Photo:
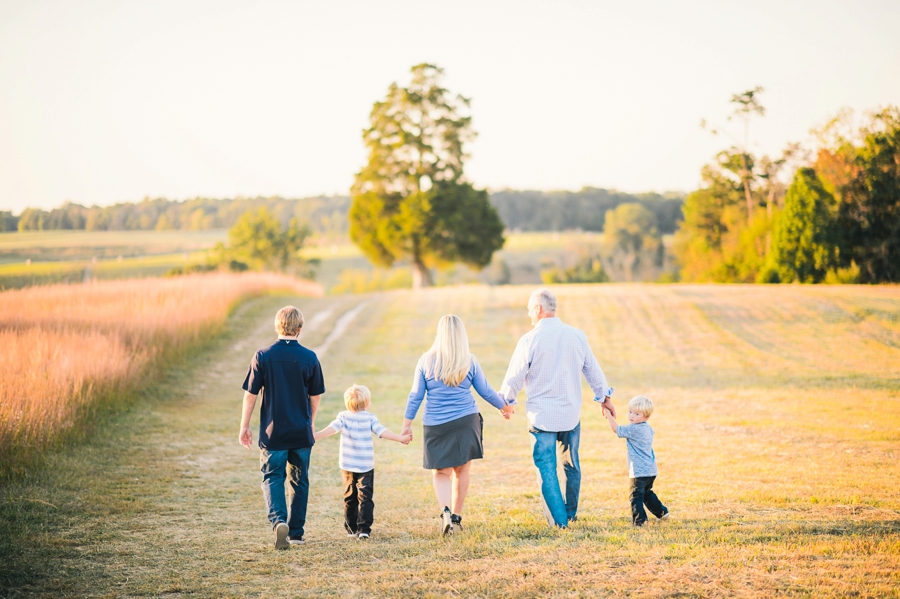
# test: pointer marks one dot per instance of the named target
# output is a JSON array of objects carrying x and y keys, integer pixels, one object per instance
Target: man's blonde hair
[
  {"x": 357, "y": 398},
  {"x": 641, "y": 404},
  {"x": 289, "y": 321},
  {"x": 449, "y": 359}
]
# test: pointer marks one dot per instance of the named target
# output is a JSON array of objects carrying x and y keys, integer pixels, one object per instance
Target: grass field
[
  {"x": 777, "y": 435},
  {"x": 72, "y": 256},
  {"x": 47, "y": 257}
]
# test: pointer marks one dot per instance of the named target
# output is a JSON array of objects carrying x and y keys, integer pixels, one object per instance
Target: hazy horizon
[{"x": 112, "y": 102}]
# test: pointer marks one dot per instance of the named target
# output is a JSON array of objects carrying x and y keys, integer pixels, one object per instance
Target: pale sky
[{"x": 103, "y": 102}]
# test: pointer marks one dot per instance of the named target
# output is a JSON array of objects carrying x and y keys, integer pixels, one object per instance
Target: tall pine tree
[{"x": 411, "y": 200}]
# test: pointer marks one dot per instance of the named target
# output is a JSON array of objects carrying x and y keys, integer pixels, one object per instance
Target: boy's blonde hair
[
  {"x": 289, "y": 321},
  {"x": 449, "y": 359},
  {"x": 641, "y": 404},
  {"x": 357, "y": 398}
]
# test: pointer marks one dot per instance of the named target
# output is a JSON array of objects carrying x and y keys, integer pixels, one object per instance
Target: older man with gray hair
[{"x": 548, "y": 362}]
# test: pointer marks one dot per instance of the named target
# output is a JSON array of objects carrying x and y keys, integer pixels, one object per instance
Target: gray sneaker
[{"x": 281, "y": 536}]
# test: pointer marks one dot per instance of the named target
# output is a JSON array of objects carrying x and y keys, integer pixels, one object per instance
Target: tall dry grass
[{"x": 67, "y": 348}]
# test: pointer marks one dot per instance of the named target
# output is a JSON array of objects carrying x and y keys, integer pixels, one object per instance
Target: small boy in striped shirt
[{"x": 357, "y": 457}]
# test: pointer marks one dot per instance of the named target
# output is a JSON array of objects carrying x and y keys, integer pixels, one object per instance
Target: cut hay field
[{"x": 777, "y": 434}]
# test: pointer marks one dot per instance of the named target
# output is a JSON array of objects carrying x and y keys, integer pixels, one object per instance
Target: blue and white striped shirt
[
  {"x": 357, "y": 448},
  {"x": 548, "y": 362}
]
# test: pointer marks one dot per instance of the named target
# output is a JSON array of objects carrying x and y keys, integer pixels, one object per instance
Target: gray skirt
[{"x": 453, "y": 443}]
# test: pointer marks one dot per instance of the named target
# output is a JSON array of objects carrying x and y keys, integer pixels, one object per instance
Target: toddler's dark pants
[
  {"x": 642, "y": 494},
  {"x": 359, "y": 509}
]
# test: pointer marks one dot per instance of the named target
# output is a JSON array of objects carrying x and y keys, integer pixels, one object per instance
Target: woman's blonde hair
[
  {"x": 449, "y": 357},
  {"x": 357, "y": 398}
]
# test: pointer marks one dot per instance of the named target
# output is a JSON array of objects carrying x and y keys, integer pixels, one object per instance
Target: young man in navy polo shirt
[{"x": 290, "y": 379}]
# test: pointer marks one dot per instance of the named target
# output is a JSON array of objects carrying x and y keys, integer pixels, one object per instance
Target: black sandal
[{"x": 456, "y": 521}]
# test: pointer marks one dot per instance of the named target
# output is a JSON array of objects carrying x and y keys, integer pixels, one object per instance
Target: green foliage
[
  {"x": 584, "y": 210},
  {"x": 410, "y": 200},
  {"x": 843, "y": 276},
  {"x": 499, "y": 273},
  {"x": 838, "y": 223},
  {"x": 632, "y": 238},
  {"x": 869, "y": 213},
  {"x": 8, "y": 222},
  {"x": 258, "y": 240},
  {"x": 587, "y": 269},
  {"x": 805, "y": 243},
  {"x": 190, "y": 269},
  {"x": 716, "y": 242}
]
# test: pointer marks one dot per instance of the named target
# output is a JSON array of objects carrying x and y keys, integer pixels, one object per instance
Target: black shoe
[
  {"x": 296, "y": 541},
  {"x": 456, "y": 521},
  {"x": 362, "y": 536},
  {"x": 446, "y": 521}
]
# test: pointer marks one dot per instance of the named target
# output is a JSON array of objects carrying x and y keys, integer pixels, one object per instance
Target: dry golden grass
[{"x": 66, "y": 347}]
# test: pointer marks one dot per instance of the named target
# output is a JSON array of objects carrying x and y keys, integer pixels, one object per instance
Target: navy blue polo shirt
[{"x": 287, "y": 374}]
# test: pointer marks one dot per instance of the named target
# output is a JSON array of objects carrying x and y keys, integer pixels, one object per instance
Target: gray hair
[{"x": 545, "y": 299}]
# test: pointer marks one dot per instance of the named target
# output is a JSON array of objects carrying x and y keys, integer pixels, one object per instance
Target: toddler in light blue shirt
[{"x": 641, "y": 459}]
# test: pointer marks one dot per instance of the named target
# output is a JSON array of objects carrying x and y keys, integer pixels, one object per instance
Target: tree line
[
  {"x": 828, "y": 214},
  {"x": 525, "y": 210},
  {"x": 322, "y": 214}
]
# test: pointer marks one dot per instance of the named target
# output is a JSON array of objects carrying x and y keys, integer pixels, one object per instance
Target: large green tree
[
  {"x": 411, "y": 200},
  {"x": 870, "y": 202},
  {"x": 805, "y": 241}
]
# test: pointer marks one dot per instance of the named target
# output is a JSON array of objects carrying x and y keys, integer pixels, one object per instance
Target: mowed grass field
[{"x": 777, "y": 435}]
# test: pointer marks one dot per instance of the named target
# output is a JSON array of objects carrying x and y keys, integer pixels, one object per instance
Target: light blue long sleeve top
[{"x": 444, "y": 403}]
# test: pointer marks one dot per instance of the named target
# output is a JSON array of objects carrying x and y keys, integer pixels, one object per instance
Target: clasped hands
[
  {"x": 507, "y": 411},
  {"x": 407, "y": 434}
]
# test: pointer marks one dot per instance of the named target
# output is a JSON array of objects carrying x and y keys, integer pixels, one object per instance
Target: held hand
[
  {"x": 406, "y": 432},
  {"x": 607, "y": 405},
  {"x": 507, "y": 411},
  {"x": 405, "y": 439},
  {"x": 245, "y": 437}
]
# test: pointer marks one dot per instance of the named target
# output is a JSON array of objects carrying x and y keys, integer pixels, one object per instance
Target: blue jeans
[
  {"x": 558, "y": 511},
  {"x": 278, "y": 465}
]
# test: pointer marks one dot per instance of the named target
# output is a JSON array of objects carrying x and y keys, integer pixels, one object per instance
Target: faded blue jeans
[
  {"x": 558, "y": 511},
  {"x": 277, "y": 466}
]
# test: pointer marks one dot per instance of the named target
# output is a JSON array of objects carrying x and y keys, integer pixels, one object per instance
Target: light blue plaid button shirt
[{"x": 548, "y": 362}]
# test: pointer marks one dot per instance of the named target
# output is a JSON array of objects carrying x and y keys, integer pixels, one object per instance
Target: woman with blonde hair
[{"x": 452, "y": 424}]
